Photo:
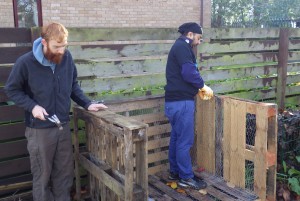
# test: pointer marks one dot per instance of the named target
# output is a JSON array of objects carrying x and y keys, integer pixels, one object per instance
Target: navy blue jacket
[
  {"x": 31, "y": 83},
  {"x": 182, "y": 75}
]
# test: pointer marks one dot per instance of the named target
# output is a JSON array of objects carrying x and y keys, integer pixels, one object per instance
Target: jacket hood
[{"x": 37, "y": 50}]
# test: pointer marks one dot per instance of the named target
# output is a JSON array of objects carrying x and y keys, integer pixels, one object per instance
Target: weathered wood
[
  {"x": 128, "y": 67},
  {"x": 227, "y": 139},
  {"x": 204, "y": 145},
  {"x": 260, "y": 177},
  {"x": 19, "y": 149},
  {"x": 15, "y": 35},
  {"x": 14, "y": 167},
  {"x": 11, "y": 113},
  {"x": 219, "y": 135},
  {"x": 154, "y": 181},
  {"x": 3, "y": 97},
  {"x": 229, "y": 59},
  {"x": 11, "y": 131},
  {"x": 283, "y": 57},
  {"x": 237, "y": 142},
  {"x": 4, "y": 73},
  {"x": 121, "y": 34},
  {"x": 238, "y": 46},
  {"x": 118, "y": 50},
  {"x": 241, "y": 33},
  {"x": 10, "y": 54},
  {"x": 272, "y": 148}
]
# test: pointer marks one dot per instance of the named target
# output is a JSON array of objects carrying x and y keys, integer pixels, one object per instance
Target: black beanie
[{"x": 190, "y": 27}]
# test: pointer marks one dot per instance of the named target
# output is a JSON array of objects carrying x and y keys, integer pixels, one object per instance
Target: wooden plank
[
  {"x": 14, "y": 167},
  {"x": 141, "y": 158},
  {"x": 137, "y": 104},
  {"x": 158, "y": 156},
  {"x": 241, "y": 33},
  {"x": 19, "y": 149},
  {"x": 15, "y": 35},
  {"x": 156, "y": 195},
  {"x": 4, "y": 73},
  {"x": 227, "y": 139},
  {"x": 122, "y": 83},
  {"x": 11, "y": 113},
  {"x": 10, "y": 54},
  {"x": 158, "y": 143},
  {"x": 208, "y": 61},
  {"x": 239, "y": 72},
  {"x": 238, "y": 46},
  {"x": 272, "y": 148},
  {"x": 100, "y": 173},
  {"x": 158, "y": 168},
  {"x": 219, "y": 102},
  {"x": 3, "y": 97},
  {"x": 205, "y": 129},
  {"x": 121, "y": 34},
  {"x": 237, "y": 143},
  {"x": 294, "y": 44},
  {"x": 260, "y": 177},
  {"x": 154, "y": 181},
  {"x": 245, "y": 85},
  {"x": 159, "y": 129},
  {"x": 219, "y": 183},
  {"x": 11, "y": 131},
  {"x": 151, "y": 118},
  {"x": 131, "y": 66},
  {"x": 282, "y": 67},
  {"x": 118, "y": 50}
]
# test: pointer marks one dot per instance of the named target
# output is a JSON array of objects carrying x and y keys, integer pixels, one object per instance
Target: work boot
[
  {"x": 192, "y": 183},
  {"x": 173, "y": 176}
]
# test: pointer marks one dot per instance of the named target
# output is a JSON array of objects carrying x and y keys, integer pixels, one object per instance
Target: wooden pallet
[{"x": 217, "y": 189}]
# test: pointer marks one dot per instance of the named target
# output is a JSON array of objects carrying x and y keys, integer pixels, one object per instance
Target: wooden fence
[{"x": 126, "y": 63}]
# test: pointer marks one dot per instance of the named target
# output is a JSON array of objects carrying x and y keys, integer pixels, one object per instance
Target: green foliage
[
  {"x": 257, "y": 12},
  {"x": 291, "y": 176}
]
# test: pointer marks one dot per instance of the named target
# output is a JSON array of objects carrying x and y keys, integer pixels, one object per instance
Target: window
[{"x": 27, "y": 13}]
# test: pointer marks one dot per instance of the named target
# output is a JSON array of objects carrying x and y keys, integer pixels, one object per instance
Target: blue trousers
[{"x": 181, "y": 118}]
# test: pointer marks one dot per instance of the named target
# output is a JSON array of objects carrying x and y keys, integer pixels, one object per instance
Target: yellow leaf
[{"x": 173, "y": 185}]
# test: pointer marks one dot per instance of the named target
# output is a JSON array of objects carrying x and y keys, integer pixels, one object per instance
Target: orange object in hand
[{"x": 205, "y": 93}]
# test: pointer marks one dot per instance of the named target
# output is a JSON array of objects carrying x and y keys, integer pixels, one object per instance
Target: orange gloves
[{"x": 205, "y": 93}]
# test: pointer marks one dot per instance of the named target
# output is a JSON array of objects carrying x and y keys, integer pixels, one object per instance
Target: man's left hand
[{"x": 96, "y": 107}]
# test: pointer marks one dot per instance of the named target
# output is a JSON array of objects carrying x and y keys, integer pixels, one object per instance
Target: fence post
[{"x": 282, "y": 67}]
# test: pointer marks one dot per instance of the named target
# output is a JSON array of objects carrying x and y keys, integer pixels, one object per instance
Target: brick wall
[
  {"x": 116, "y": 13},
  {"x": 6, "y": 13}
]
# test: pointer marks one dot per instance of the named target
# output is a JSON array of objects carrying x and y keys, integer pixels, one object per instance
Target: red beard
[{"x": 55, "y": 58}]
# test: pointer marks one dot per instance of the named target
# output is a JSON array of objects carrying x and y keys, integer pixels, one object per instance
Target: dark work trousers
[
  {"x": 181, "y": 117},
  {"x": 51, "y": 158}
]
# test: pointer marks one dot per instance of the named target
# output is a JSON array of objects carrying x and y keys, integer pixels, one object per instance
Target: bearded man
[{"x": 43, "y": 82}]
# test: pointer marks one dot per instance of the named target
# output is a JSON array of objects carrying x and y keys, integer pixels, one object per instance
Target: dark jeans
[
  {"x": 181, "y": 117},
  {"x": 51, "y": 158}
]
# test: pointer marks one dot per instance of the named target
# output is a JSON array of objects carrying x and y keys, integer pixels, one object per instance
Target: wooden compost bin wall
[
  {"x": 151, "y": 112},
  {"x": 112, "y": 142},
  {"x": 14, "y": 160},
  {"x": 222, "y": 144}
]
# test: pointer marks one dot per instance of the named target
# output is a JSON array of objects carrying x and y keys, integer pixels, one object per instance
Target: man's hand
[
  {"x": 205, "y": 93},
  {"x": 39, "y": 112},
  {"x": 96, "y": 106}
]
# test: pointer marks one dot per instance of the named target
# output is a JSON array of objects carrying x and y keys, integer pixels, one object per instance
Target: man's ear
[
  {"x": 44, "y": 42},
  {"x": 190, "y": 35}
]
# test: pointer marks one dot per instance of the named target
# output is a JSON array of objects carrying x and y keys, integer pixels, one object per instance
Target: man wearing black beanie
[{"x": 183, "y": 83}]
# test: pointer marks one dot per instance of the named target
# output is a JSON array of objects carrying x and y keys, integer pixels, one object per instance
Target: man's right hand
[
  {"x": 205, "y": 93},
  {"x": 39, "y": 112}
]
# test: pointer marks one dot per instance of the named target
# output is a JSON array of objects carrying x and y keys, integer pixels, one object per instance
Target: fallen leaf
[
  {"x": 203, "y": 191},
  {"x": 173, "y": 185},
  {"x": 230, "y": 185},
  {"x": 179, "y": 190}
]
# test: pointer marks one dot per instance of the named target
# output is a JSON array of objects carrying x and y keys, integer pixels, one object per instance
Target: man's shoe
[
  {"x": 173, "y": 176},
  {"x": 192, "y": 183}
]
